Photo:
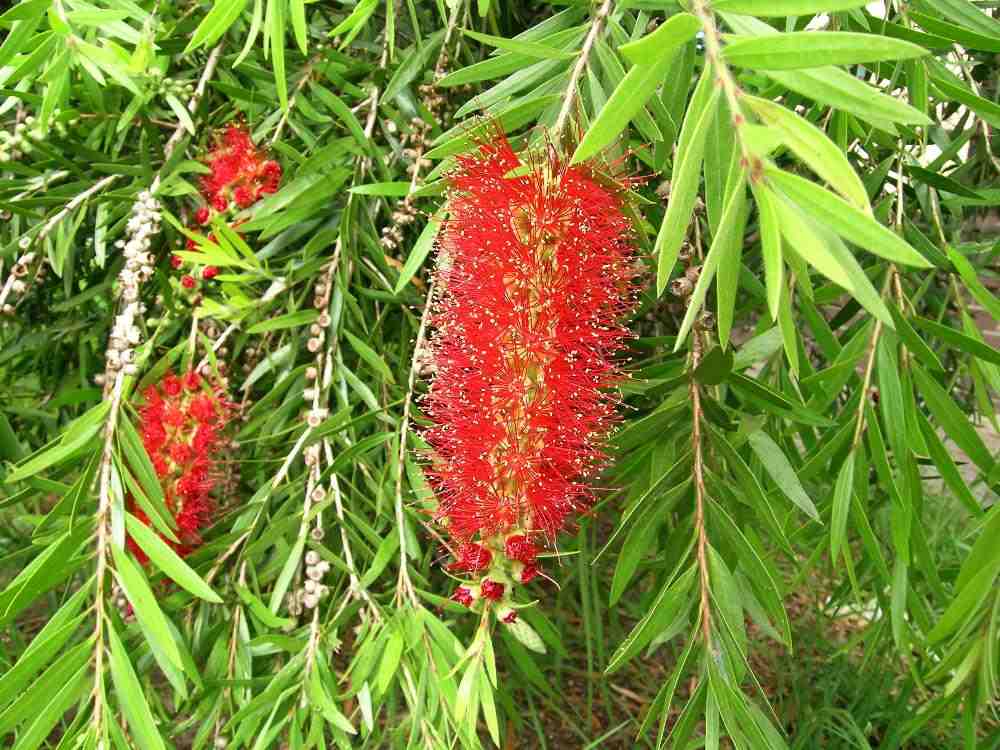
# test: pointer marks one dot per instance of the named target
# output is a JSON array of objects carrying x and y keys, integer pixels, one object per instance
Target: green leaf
[
  {"x": 765, "y": 8},
  {"x": 780, "y": 470},
  {"x": 421, "y": 249},
  {"x": 415, "y": 59},
  {"x": 951, "y": 418},
  {"x": 147, "y": 611},
  {"x": 298, "y": 13},
  {"x": 32, "y": 700},
  {"x": 684, "y": 178},
  {"x": 394, "y": 189},
  {"x": 849, "y": 222},
  {"x": 297, "y": 319},
  {"x": 64, "y": 696},
  {"x": 625, "y": 102},
  {"x": 838, "y": 89},
  {"x": 131, "y": 697},
  {"x": 971, "y": 280},
  {"x": 671, "y": 602},
  {"x": 222, "y": 15},
  {"x": 967, "y": 604},
  {"x": 68, "y": 444},
  {"x": 652, "y": 48},
  {"x": 841, "y": 506},
  {"x": 528, "y": 49},
  {"x": 729, "y": 234},
  {"x": 770, "y": 244},
  {"x": 715, "y": 367},
  {"x": 370, "y": 356},
  {"x": 814, "y": 49},
  {"x": 964, "y": 343},
  {"x": 812, "y": 146},
  {"x": 168, "y": 561}
]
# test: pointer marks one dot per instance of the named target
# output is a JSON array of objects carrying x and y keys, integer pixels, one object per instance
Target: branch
[{"x": 581, "y": 64}]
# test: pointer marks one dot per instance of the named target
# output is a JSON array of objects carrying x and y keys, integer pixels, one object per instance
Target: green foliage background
[{"x": 798, "y": 546}]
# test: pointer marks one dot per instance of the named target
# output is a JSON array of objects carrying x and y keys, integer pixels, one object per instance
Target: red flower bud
[
  {"x": 188, "y": 282},
  {"x": 471, "y": 558},
  {"x": 220, "y": 203},
  {"x": 202, "y": 215},
  {"x": 209, "y": 272},
  {"x": 176, "y": 261},
  {"x": 463, "y": 596},
  {"x": 520, "y": 548},
  {"x": 491, "y": 590},
  {"x": 529, "y": 573},
  {"x": 510, "y": 617}
]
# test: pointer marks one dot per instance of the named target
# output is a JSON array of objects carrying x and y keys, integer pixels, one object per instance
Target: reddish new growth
[
  {"x": 536, "y": 273},
  {"x": 181, "y": 425},
  {"x": 239, "y": 175}
]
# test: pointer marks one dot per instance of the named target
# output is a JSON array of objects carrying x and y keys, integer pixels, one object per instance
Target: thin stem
[
  {"x": 699, "y": 494},
  {"x": 581, "y": 64},
  {"x": 731, "y": 90},
  {"x": 405, "y": 586},
  {"x": 107, "y": 454}
]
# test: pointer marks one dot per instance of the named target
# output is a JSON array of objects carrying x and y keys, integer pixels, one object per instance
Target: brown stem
[{"x": 699, "y": 494}]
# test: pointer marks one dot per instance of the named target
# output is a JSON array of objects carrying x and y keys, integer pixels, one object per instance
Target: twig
[
  {"x": 117, "y": 393},
  {"x": 55, "y": 219},
  {"x": 699, "y": 494},
  {"x": 570, "y": 96},
  {"x": 404, "y": 584}
]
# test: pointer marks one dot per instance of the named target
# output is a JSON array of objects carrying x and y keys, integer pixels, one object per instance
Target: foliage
[{"x": 809, "y": 376}]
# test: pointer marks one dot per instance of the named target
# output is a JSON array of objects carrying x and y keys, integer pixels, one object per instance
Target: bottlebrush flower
[
  {"x": 239, "y": 172},
  {"x": 182, "y": 426},
  {"x": 536, "y": 273}
]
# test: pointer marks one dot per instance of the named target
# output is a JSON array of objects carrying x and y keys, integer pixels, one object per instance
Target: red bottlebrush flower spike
[
  {"x": 239, "y": 172},
  {"x": 181, "y": 424},
  {"x": 537, "y": 274}
]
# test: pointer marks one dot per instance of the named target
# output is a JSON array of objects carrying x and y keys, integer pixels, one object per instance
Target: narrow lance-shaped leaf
[
  {"x": 813, "y": 49},
  {"x": 684, "y": 179}
]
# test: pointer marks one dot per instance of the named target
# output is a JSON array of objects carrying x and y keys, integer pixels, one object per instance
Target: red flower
[
  {"x": 176, "y": 261},
  {"x": 491, "y": 590},
  {"x": 529, "y": 573},
  {"x": 188, "y": 282},
  {"x": 538, "y": 278},
  {"x": 238, "y": 171},
  {"x": 472, "y": 558},
  {"x": 202, "y": 215},
  {"x": 463, "y": 596},
  {"x": 181, "y": 425},
  {"x": 209, "y": 272},
  {"x": 519, "y": 547}
]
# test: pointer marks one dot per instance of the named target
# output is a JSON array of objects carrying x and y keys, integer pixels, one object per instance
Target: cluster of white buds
[
  {"x": 26, "y": 134},
  {"x": 119, "y": 600},
  {"x": 143, "y": 225},
  {"x": 312, "y": 590},
  {"x": 17, "y": 282}
]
